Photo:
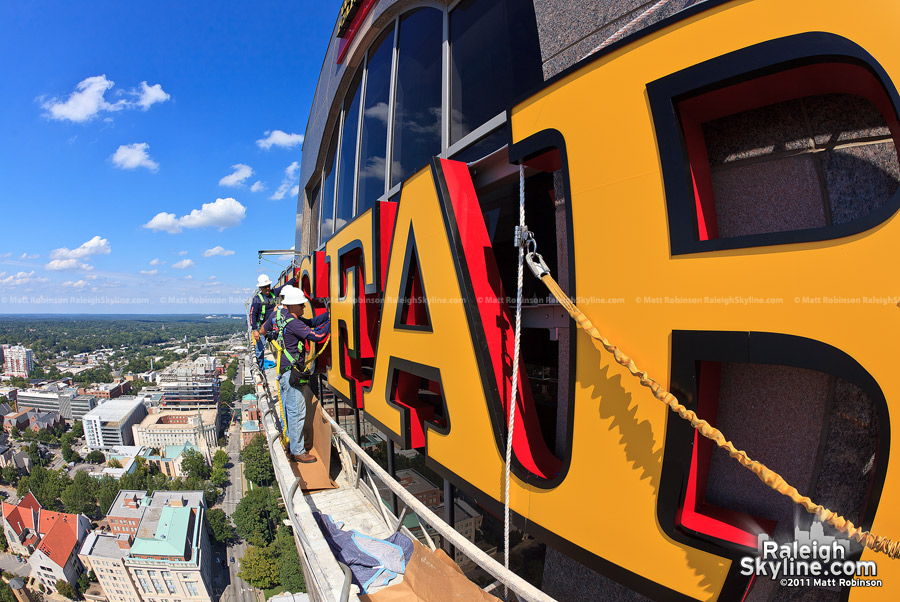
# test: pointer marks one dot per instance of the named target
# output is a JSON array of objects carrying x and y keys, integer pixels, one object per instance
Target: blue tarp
[
  {"x": 268, "y": 364},
  {"x": 372, "y": 561}
]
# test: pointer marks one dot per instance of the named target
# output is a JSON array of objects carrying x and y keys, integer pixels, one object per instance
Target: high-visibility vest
[
  {"x": 281, "y": 322},
  {"x": 265, "y": 302}
]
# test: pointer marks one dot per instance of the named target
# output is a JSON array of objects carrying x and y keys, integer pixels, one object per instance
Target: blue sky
[{"x": 148, "y": 149}]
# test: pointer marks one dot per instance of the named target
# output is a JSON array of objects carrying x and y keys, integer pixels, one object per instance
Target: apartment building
[
  {"x": 105, "y": 554},
  {"x": 18, "y": 361},
  {"x": 165, "y": 428}
]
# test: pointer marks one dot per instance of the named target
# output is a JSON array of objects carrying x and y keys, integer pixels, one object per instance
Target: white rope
[
  {"x": 626, "y": 29},
  {"x": 520, "y": 242}
]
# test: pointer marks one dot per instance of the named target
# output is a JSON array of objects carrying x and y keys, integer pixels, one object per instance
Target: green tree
[
  {"x": 245, "y": 390},
  {"x": 226, "y": 392},
  {"x": 14, "y": 433},
  {"x": 194, "y": 465},
  {"x": 114, "y": 463},
  {"x": 69, "y": 454},
  {"x": 84, "y": 582},
  {"x": 10, "y": 474},
  {"x": 6, "y": 594},
  {"x": 79, "y": 497},
  {"x": 34, "y": 452},
  {"x": 231, "y": 371},
  {"x": 221, "y": 441},
  {"x": 220, "y": 526},
  {"x": 65, "y": 589},
  {"x": 211, "y": 494},
  {"x": 219, "y": 477},
  {"x": 257, "y": 461},
  {"x": 257, "y": 516},
  {"x": 95, "y": 457},
  {"x": 77, "y": 429},
  {"x": 259, "y": 567},
  {"x": 220, "y": 459},
  {"x": 106, "y": 491},
  {"x": 3, "y": 544},
  {"x": 290, "y": 570}
]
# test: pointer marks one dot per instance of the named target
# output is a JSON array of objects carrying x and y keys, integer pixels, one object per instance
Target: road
[
  {"x": 9, "y": 563},
  {"x": 239, "y": 590}
]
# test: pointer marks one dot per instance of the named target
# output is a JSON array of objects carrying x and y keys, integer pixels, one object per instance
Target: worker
[
  {"x": 293, "y": 329},
  {"x": 261, "y": 308}
]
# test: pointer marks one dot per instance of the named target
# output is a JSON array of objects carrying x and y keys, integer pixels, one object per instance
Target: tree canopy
[
  {"x": 257, "y": 461},
  {"x": 258, "y": 515},
  {"x": 259, "y": 567},
  {"x": 194, "y": 465},
  {"x": 220, "y": 525}
]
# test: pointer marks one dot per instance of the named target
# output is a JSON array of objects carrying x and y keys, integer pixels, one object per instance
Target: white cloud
[
  {"x": 241, "y": 173},
  {"x": 290, "y": 173},
  {"x": 78, "y": 284},
  {"x": 279, "y": 138},
  {"x": 188, "y": 277},
  {"x": 150, "y": 95},
  {"x": 90, "y": 276},
  {"x": 295, "y": 191},
  {"x": 156, "y": 261},
  {"x": 150, "y": 272},
  {"x": 95, "y": 246},
  {"x": 67, "y": 264},
  {"x": 21, "y": 278},
  {"x": 221, "y": 214},
  {"x": 84, "y": 103},
  {"x": 257, "y": 186},
  {"x": 217, "y": 250},
  {"x": 132, "y": 156},
  {"x": 212, "y": 277},
  {"x": 88, "y": 100},
  {"x": 183, "y": 264},
  {"x": 182, "y": 253},
  {"x": 27, "y": 256}
]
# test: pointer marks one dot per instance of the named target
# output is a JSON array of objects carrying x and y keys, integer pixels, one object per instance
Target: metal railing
[{"x": 354, "y": 461}]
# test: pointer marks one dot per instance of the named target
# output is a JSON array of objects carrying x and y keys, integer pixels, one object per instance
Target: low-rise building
[
  {"x": 105, "y": 554},
  {"x": 51, "y": 538},
  {"x": 43, "y": 420},
  {"x": 197, "y": 427},
  {"x": 20, "y": 460},
  {"x": 168, "y": 552},
  {"x": 108, "y": 390},
  {"x": 112, "y": 423},
  {"x": 250, "y": 423},
  {"x": 18, "y": 420},
  {"x": 169, "y": 458},
  {"x": 414, "y": 482}
]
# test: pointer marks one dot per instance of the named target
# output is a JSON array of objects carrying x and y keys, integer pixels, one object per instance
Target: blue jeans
[
  {"x": 294, "y": 412},
  {"x": 260, "y": 351}
]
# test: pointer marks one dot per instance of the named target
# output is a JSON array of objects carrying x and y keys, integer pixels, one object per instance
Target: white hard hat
[
  {"x": 293, "y": 296},
  {"x": 263, "y": 280},
  {"x": 285, "y": 289}
]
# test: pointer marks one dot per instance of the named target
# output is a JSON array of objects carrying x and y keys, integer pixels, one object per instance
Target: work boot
[{"x": 304, "y": 458}]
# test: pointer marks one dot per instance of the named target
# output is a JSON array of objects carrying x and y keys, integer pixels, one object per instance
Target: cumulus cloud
[
  {"x": 221, "y": 214},
  {"x": 150, "y": 272},
  {"x": 21, "y": 278},
  {"x": 290, "y": 173},
  {"x": 58, "y": 265},
  {"x": 183, "y": 264},
  {"x": 132, "y": 156},
  {"x": 150, "y": 95},
  {"x": 156, "y": 261},
  {"x": 88, "y": 100},
  {"x": 257, "y": 186},
  {"x": 279, "y": 138},
  {"x": 77, "y": 284},
  {"x": 217, "y": 250},
  {"x": 95, "y": 246},
  {"x": 27, "y": 256},
  {"x": 241, "y": 173},
  {"x": 188, "y": 277}
]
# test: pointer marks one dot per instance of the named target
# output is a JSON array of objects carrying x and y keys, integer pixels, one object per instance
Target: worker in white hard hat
[
  {"x": 293, "y": 329},
  {"x": 261, "y": 308}
]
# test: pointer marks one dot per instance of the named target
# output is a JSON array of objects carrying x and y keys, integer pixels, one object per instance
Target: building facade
[
  {"x": 18, "y": 361},
  {"x": 112, "y": 423},
  {"x": 105, "y": 555},
  {"x": 190, "y": 387},
  {"x": 161, "y": 429},
  {"x": 736, "y": 154}
]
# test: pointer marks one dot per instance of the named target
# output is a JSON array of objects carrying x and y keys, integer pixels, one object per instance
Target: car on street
[{"x": 232, "y": 560}]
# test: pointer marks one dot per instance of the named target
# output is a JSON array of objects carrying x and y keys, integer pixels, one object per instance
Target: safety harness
[{"x": 265, "y": 303}]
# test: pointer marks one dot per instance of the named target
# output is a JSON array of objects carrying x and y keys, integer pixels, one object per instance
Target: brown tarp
[
  {"x": 315, "y": 476},
  {"x": 431, "y": 577}
]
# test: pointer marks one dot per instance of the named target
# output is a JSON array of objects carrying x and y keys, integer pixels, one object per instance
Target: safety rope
[
  {"x": 520, "y": 242},
  {"x": 765, "y": 474},
  {"x": 276, "y": 351},
  {"x": 626, "y": 29}
]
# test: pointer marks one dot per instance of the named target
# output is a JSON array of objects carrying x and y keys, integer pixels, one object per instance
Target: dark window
[
  {"x": 347, "y": 166},
  {"x": 326, "y": 219},
  {"x": 417, "y": 116},
  {"x": 373, "y": 142},
  {"x": 495, "y": 56}
]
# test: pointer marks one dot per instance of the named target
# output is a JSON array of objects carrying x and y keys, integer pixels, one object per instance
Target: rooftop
[
  {"x": 114, "y": 410},
  {"x": 128, "y": 504},
  {"x": 105, "y": 545},
  {"x": 158, "y": 420}
]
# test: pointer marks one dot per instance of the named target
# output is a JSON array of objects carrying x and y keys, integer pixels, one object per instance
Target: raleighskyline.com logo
[{"x": 813, "y": 559}]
